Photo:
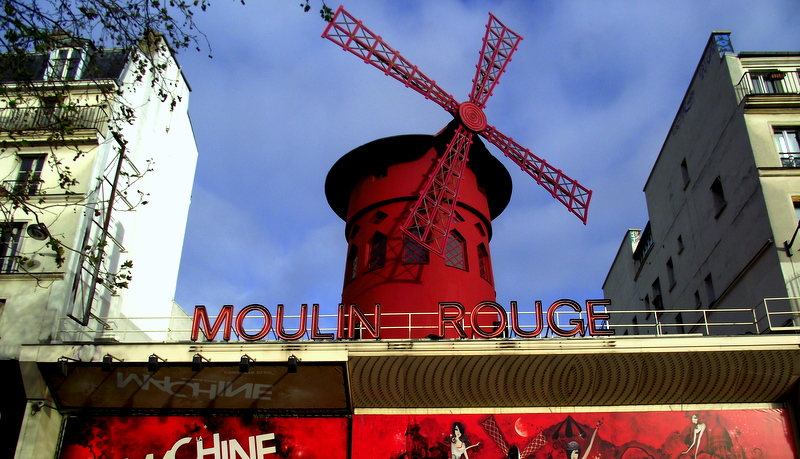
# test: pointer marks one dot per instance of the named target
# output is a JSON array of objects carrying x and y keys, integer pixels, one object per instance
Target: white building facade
[
  {"x": 722, "y": 200},
  {"x": 93, "y": 156}
]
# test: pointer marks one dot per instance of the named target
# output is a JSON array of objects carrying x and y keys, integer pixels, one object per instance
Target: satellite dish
[{"x": 38, "y": 231}]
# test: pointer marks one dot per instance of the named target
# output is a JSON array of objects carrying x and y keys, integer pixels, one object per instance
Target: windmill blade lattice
[
  {"x": 566, "y": 190},
  {"x": 349, "y": 33},
  {"x": 431, "y": 216},
  {"x": 498, "y": 45}
]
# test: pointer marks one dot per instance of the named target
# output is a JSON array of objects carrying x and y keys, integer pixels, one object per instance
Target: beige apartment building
[{"x": 723, "y": 198}]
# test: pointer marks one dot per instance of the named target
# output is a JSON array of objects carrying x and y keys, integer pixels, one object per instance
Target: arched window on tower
[
  {"x": 454, "y": 253},
  {"x": 377, "y": 251},
  {"x": 352, "y": 263},
  {"x": 413, "y": 251},
  {"x": 484, "y": 265}
]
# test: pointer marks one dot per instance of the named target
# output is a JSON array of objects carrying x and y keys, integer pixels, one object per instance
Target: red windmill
[{"x": 453, "y": 181}]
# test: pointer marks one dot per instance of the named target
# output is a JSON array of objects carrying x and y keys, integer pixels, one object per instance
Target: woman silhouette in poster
[
  {"x": 459, "y": 443},
  {"x": 697, "y": 435}
]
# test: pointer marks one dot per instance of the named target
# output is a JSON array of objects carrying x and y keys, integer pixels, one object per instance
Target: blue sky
[{"x": 593, "y": 89}]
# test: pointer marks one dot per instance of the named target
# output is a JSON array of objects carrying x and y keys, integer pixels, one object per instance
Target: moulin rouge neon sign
[{"x": 351, "y": 318}]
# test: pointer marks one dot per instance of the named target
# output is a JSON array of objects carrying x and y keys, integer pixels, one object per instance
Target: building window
[
  {"x": 767, "y": 82},
  {"x": 454, "y": 253},
  {"x": 680, "y": 243},
  {"x": 480, "y": 229},
  {"x": 29, "y": 176},
  {"x": 670, "y": 273},
  {"x": 685, "y": 173},
  {"x": 66, "y": 64},
  {"x": 719, "y": 197},
  {"x": 484, "y": 264},
  {"x": 377, "y": 252},
  {"x": 658, "y": 301},
  {"x": 788, "y": 143},
  {"x": 697, "y": 302},
  {"x": 352, "y": 263},
  {"x": 379, "y": 217},
  {"x": 10, "y": 234},
  {"x": 413, "y": 251},
  {"x": 796, "y": 204},
  {"x": 644, "y": 244}
]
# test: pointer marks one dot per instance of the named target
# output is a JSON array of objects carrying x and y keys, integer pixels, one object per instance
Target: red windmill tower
[{"x": 407, "y": 197}]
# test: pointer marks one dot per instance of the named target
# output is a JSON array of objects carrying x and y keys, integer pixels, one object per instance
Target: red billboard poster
[
  {"x": 204, "y": 437},
  {"x": 722, "y": 434}
]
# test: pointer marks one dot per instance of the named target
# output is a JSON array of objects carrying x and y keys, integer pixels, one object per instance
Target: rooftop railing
[{"x": 773, "y": 315}]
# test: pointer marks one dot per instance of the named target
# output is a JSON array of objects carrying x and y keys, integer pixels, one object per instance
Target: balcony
[
  {"x": 790, "y": 159},
  {"x": 29, "y": 187},
  {"x": 764, "y": 85},
  {"x": 9, "y": 264},
  {"x": 47, "y": 118}
]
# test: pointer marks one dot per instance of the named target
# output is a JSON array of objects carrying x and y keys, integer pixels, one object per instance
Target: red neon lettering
[
  {"x": 201, "y": 318},
  {"x": 315, "y": 333},
  {"x": 455, "y": 321},
  {"x": 593, "y": 316},
  {"x": 340, "y": 321},
  {"x": 515, "y": 321},
  {"x": 355, "y": 314},
  {"x": 553, "y": 322},
  {"x": 500, "y": 327},
  {"x": 265, "y": 328},
  {"x": 351, "y": 319},
  {"x": 301, "y": 329}
]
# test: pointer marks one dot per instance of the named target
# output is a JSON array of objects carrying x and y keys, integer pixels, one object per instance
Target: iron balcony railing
[
  {"x": 790, "y": 159},
  {"x": 28, "y": 187},
  {"x": 9, "y": 264},
  {"x": 768, "y": 83},
  {"x": 45, "y": 118}
]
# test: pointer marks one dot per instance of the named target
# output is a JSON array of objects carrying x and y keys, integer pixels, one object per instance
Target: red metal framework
[
  {"x": 498, "y": 45},
  {"x": 431, "y": 216}
]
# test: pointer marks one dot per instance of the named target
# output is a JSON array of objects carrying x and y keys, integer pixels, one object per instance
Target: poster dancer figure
[
  {"x": 573, "y": 449},
  {"x": 459, "y": 443},
  {"x": 697, "y": 435}
]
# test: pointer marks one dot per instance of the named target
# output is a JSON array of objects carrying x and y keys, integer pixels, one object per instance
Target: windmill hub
[{"x": 472, "y": 116}]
